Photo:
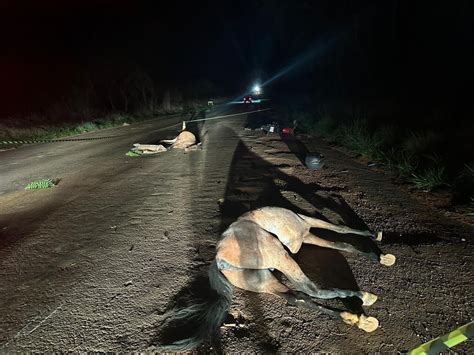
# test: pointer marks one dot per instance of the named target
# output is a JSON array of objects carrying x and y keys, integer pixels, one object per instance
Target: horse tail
[{"x": 208, "y": 315}]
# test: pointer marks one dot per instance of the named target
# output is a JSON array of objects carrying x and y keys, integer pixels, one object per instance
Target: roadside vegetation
[
  {"x": 419, "y": 156},
  {"x": 104, "y": 101},
  {"x": 37, "y": 128}
]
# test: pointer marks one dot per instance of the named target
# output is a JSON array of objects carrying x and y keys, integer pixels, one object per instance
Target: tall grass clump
[
  {"x": 357, "y": 137},
  {"x": 430, "y": 178},
  {"x": 424, "y": 157},
  {"x": 400, "y": 161}
]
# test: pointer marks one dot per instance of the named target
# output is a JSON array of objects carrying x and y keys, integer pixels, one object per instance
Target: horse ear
[{"x": 184, "y": 126}]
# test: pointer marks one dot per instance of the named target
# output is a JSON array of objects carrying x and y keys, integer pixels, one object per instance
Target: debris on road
[
  {"x": 314, "y": 161},
  {"x": 193, "y": 147},
  {"x": 41, "y": 184},
  {"x": 148, "y": 148},
  {"x": 271, "y": 128},
  {"x": 133, "y": 153}
]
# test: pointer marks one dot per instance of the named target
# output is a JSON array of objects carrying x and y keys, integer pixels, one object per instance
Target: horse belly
[{"x": 246, "y": 245}]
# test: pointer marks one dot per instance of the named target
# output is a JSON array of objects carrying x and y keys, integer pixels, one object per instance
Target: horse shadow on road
[{"x": 254, "y": 182}]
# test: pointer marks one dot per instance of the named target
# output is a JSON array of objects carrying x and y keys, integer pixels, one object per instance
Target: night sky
[{"x": 406, "y": 49}]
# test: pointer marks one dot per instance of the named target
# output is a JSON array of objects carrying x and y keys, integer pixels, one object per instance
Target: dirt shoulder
[
  {"x": 119, "y": 243},
  {"x": 426, "y": 294}
]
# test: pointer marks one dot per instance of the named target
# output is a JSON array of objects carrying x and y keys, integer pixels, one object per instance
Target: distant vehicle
[
  {"x": 248, "y": 99},
  {"x": 257, "y": 90}
]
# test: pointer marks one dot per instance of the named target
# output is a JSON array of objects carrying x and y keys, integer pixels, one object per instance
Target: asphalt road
[
  {"x": 95, "y": 263},
  {"x": 86, "y": 264}
]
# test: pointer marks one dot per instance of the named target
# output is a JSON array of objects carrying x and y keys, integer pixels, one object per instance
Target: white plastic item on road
[{"x": 150, "y": 148}]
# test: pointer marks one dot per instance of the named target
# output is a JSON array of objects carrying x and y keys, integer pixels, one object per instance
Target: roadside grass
[
  {"x": 400, "y": 161},
  {"x": 412, "y": 155},
  {"x": 40, "y": 128},
  {"x": 360, "y": 140},
  {"x": 37, "y": 127},
  {"x": 430, "y": 179}
]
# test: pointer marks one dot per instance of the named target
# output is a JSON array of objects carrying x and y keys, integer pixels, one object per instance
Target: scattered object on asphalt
[
  {"x": 149, "y": 148},
  {"x": 271, "y": 128},
  {"x": 40, "y": 184},
  {"x": 286, "y": 130},
  {"x": 133, "y": 153},
  {"x": 193, "y": 147},
  {"x": 314, "y": 161}
]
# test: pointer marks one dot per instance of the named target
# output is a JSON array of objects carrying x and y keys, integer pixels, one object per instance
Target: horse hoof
[
  {"x": 349, "y": 318},
  {"x": 387, "y": 259},
  {"x": 367, "y": 324},
  {"x": 378, "y": 236},
  {"x": 368, "y": 299}
]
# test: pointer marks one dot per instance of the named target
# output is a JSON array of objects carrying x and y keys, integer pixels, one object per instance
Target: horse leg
[
  {"x": 318, "y": 223},
  {"x": 248, "y": 246},
  {"x": 293, "y": 272},
  {"x": 384, "y": 259},
  {"x": 168, "y": 141},
  {"x": 263, "y": 281}
]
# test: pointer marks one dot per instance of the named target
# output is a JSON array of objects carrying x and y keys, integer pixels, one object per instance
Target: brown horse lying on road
[
  {"x": 251, "y": 248},
  {"x": 185, "y": 140}
]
